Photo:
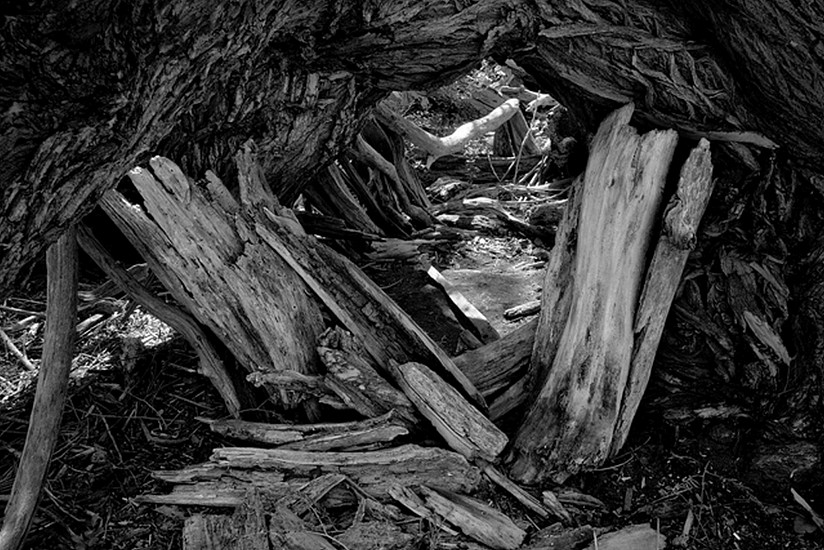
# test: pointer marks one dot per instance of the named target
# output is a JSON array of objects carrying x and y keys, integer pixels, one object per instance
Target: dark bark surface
[{"x": 89, "y": 90}]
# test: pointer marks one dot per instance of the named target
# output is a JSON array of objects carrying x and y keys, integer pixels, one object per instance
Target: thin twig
[{"x": 16, "y": 352}]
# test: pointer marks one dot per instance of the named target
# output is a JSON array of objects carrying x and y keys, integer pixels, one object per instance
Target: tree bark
[{"x": 570, "y": 425}]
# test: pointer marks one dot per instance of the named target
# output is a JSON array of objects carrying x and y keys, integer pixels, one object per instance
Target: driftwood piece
[
  {"x": 495, "y": 366},
  {"x": 437, "y": 147},
  {"x": 476, "y": 319},
  {"x": 523, "y": 310},
  {"x": 202, "y": 245},
  {"x": 50, "y": 396},
  {"x": 340, "y": 436},
  {"x": 571, "y": 422},
  {"x": 211, "y": 365},
  {"x": 464, "y": 429},
  {"x": 356, "y": 382},
  {"x": 678, "y": 237},
  {"x": 475, "y": 519}
]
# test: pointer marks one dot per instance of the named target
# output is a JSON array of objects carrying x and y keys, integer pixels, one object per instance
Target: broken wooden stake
[{"x": 571, "y": 422}]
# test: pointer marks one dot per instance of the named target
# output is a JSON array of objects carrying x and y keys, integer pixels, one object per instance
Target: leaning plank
[
  {"x": 211, "y": 365},
  {"x": 571, "y": 422},
  {"x": 494, "y": 367},
  {"x": 475, "y": 519},
  {"x": 678, "y": 236},
  {"x": 374, "y": 471},
  {"x": 477, "y": 319},
  {"x": 464, "y": 429},
  {"x": 52, "y": 383},
  {"x": 316, "y": 437}
]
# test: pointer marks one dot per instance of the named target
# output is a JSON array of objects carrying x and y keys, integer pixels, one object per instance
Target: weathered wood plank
[
  {"x": 475, "y": 519},
  {"x": 677, "y": 238},
  {"x": 571, "y": 423}
]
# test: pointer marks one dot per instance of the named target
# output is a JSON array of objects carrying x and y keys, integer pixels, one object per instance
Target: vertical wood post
[{"x": 52, "y": 381}]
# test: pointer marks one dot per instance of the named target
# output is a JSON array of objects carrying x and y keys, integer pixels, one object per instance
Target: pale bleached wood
[
  {"x": 523, "y": 310},
  {"x": 475, "y": 519},
  {"x": 477, "y": 319},
  {"x": 571, "y": 423},
  {"x": 461, "y": 425},
  {"x": 50, "y": 396},
  {"x": 453, "y": 143},
  {"x": 677, "y": 238}
]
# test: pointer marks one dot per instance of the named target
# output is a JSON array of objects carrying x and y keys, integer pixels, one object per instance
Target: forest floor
[{"x": 135, "y": 394}]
